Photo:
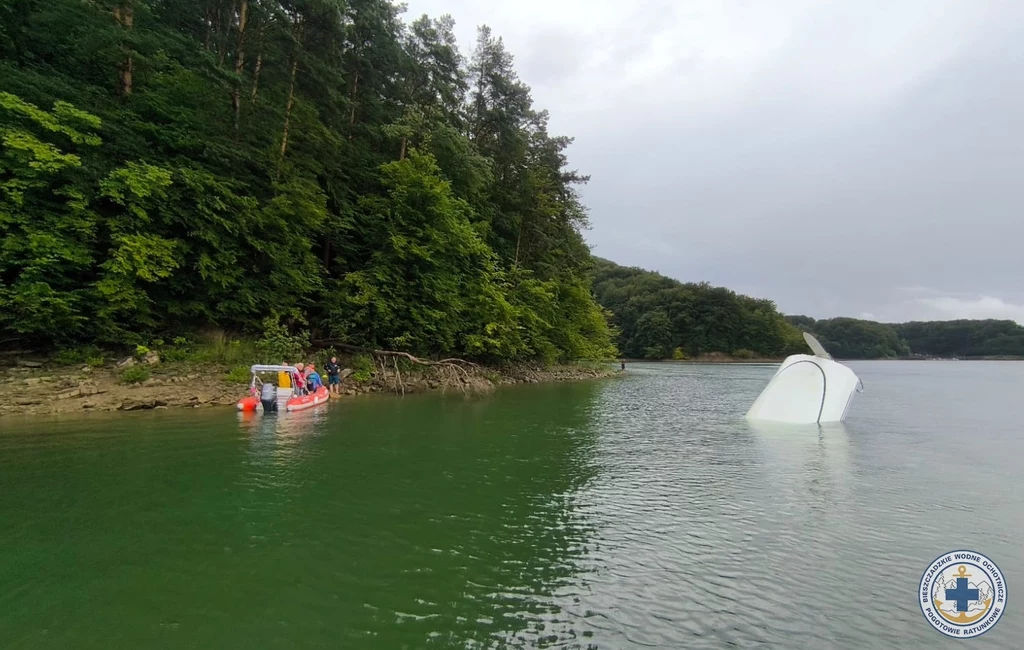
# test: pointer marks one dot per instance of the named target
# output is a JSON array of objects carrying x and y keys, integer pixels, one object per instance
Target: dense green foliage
[
  {"x": 171, "y": 165},
  {"x": 657, "y": 315},
  {"x": 964, "y": 338},
  {"x": 851, "y": 338}
]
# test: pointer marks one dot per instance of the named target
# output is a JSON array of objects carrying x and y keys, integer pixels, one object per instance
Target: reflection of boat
[
  {"x": 811, "y": 463},
  {"x": 268, "y": 396},
  {"x": 807, "y": 389}
]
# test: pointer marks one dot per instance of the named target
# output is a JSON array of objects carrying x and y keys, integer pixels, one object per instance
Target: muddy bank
[{"x": 43, "y": 389}]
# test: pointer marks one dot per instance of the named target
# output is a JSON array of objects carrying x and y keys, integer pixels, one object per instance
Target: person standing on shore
[{"x": 333, "y": 375}]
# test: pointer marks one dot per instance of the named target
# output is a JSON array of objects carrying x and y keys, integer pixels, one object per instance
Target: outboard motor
[{"x": 268, "y": 397}]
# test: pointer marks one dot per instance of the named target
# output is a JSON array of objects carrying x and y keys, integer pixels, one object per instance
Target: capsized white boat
[{"x": 807, "y": 389}]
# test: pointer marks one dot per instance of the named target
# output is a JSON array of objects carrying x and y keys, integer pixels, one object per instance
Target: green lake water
[{"x": 635, "y": 512}]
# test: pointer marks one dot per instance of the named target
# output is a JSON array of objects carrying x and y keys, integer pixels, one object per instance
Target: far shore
[
  {"x": 705, "y": 361},
  {"x": 713, "y": 360}
]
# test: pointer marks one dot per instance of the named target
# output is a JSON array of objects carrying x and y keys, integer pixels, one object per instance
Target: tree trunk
[
  {"x": 352, "y": 102},
  {"x": 256, "y": 74},
  {"x": 243, "y": 22},
  {"x": 222, "y": 37},
  {"x": 297, "y": 44},
  {"x": 209, "y": 29},
  {"x": 479, "y": 105},
  {"x": 519, "y": 239},
  {"x": 288, "y": 107},
  {"x": 236, "y": 106},
  {"x": 401, "y": 154},
  {"x": 236, "y": 99},
  {"x": 125, "y": 17}
]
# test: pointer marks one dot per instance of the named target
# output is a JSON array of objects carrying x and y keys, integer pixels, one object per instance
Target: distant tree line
[
  {"x": 661, "y": 318},
  {"x": 170, "y": 165},
  {"x": 852, "y": 338}
]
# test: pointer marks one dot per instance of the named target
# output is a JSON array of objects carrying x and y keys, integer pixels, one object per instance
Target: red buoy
[{"x": 248, "y": 404}]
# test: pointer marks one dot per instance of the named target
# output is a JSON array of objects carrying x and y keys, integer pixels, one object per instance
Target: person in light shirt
[{"x": 299, "y": 380}]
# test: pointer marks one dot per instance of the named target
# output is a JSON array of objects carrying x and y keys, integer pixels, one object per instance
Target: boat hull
[
  {"x": 806, "y": 390},
  {"x": 300, "y": 402}
]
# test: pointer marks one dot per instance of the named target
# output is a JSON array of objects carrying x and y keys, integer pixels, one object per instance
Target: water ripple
[{"x": 637, "y": 513}]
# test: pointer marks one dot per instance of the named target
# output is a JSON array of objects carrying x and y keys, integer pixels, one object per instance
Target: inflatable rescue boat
[{"x": 268, "y": 397}]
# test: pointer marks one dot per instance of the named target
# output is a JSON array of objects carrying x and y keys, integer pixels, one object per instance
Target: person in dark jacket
[{"x": 333, "y": 375}]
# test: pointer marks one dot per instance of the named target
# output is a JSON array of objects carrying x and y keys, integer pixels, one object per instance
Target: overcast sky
[{"x": 843, "y": 158}]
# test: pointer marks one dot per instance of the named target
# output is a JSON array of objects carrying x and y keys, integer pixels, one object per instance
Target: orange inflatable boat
[{"x": 266, "y": 399}]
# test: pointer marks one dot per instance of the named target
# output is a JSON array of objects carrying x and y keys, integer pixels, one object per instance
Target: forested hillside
[
  {"x": 852, "y": 338},
  {"x": 660, "y": 318},
  {"x": 168, "y": 165}
]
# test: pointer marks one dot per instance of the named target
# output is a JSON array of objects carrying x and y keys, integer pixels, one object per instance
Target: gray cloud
[{"x": 822, "y": 154}]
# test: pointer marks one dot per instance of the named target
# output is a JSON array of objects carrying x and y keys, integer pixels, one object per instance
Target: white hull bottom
[{"x": 805, "y": 390}]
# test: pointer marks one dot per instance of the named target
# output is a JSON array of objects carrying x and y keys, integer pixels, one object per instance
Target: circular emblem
[{"x": 962, "y": 594}]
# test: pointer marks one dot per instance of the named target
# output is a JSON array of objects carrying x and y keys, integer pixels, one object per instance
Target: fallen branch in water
[
  {"x": 452, "y": 370},
  {"x": 395, "y": 353},
  {"x": 398, "y": 375}
]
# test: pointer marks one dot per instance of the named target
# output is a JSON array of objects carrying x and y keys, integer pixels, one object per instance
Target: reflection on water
[
  {"x": 815, "y": 456},
  {"x": 637, "y": 512}
]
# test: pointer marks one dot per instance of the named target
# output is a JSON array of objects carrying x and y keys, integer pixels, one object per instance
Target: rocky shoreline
[{"x": 32, "y": 388}]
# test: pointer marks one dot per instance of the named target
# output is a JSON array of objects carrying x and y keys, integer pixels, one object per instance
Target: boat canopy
[{"x": 289, "y": 369}]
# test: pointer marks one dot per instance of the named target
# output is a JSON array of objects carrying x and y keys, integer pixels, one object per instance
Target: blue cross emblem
[{"x": 961, "y": 594}]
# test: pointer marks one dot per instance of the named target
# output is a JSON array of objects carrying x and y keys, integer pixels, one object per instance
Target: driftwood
[
  {"x": 452, "y": 370},
  {"x": 395, "y": 353}
]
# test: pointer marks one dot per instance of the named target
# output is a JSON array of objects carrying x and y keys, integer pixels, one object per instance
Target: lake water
[{"x": 635, "y": 512}]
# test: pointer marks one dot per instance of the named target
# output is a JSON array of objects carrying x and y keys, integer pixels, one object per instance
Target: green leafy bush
[
  {"x": 224, "y": 351},
  {"x": 678, "y": 354},
  {"x": 327, "y": 353},
  {"x": 175, "y": 354},
  {"x": 362, "y": 367},
  {"x": 95, "y": 362},
  {"x": 74, "y": 356},
  {"x": 277, "y": 344},
  {"x": 135, "y": 374},
  {"x": 492, "y": 377},
  {"x": 141, "y": 351},
  {"x": 67, "y": 357},
  {"x": 240, "y": 375}
]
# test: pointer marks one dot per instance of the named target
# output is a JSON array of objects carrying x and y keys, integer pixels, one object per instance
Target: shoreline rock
[{"x": 67, "y": 390}]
